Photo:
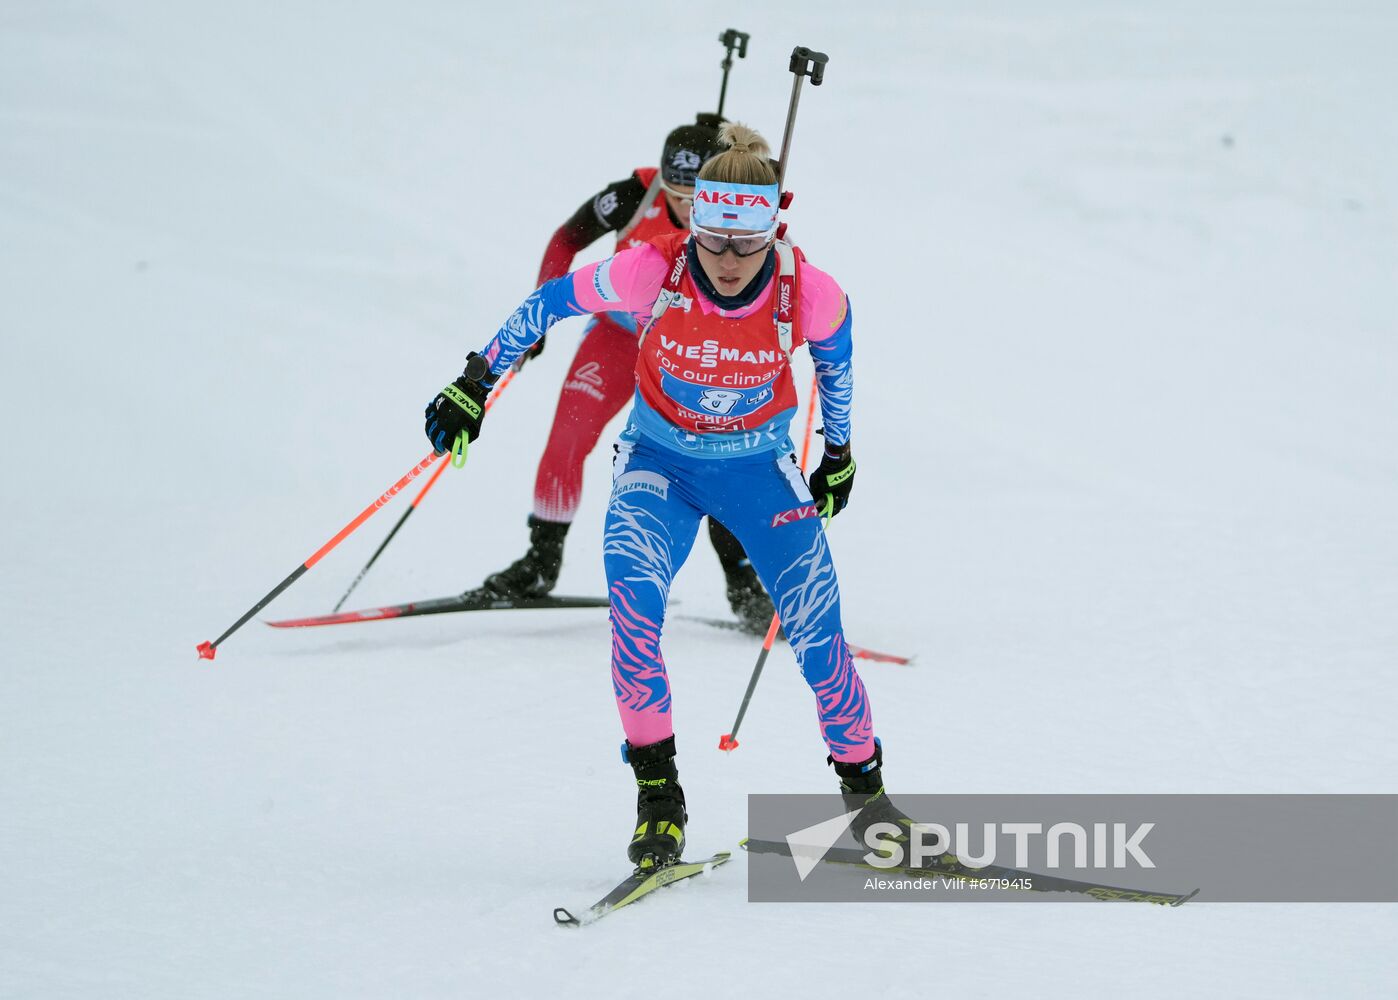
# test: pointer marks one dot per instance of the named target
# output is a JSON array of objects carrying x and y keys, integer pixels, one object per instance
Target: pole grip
[
  {"x": 807, "y": 62},
  {"x": 477, "y": 368},
  {"x": 734, "y": 39},
  {"x": 731, "y": 39}
]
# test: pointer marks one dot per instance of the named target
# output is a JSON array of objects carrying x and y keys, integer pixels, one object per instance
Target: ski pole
[
  {"x": 731, "y": 39},
  {"x": 208, "y": 649},
  {"x": 490, "y": 401},
  {"x": 729, "y": 740},
  {"x": 810, "y": 421},
  {"x": 475, "y": 369},
  {"x": 804, "y": 63}
]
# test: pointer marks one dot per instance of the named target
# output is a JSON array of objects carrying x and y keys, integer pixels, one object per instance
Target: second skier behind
[{"x": 651, "y": 202}]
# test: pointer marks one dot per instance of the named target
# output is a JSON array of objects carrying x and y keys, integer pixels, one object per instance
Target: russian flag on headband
[{"x": 722, "y": 205}]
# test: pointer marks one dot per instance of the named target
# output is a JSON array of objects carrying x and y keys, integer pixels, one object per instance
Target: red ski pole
[
  {"x": 729, "y": 741},
  {"x": 810, "y": 422},
  {"x": 208, "y": 649},
  {"x": 431, "y": 482}
]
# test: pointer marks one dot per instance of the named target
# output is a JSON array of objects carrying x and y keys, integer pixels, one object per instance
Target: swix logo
[
  {"x": 784, "y": 293},
  {"x": 795, "y": 514},
  {"x": 738, "y": 198},
  {"x": 676, "y": 272}
]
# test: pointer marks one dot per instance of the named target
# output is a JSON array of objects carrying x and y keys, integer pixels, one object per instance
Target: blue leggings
[{"x": 659, "y": 496}]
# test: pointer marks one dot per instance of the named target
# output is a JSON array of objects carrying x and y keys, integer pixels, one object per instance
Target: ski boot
[
  {"x": 660, "y": 815},
  {"x": 749, "y": 601},
  {"x": 536, "y": 574},
  {"x": 861, "y": 786}
]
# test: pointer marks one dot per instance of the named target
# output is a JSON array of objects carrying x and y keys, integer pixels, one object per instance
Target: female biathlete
[
  {"x": 650, "y": 203},
  {"x": 721, "y": 308}
]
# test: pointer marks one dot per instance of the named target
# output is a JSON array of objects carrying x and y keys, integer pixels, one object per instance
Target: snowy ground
[{"x": 1123, "y": 277}]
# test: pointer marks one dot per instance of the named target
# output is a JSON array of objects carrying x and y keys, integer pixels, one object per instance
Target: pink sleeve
[
  {"x": 823, "y": 305},
  {"x": 627, "y": 282}
]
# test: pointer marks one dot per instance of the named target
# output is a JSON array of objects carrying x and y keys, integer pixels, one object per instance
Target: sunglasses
[
  {"x": 680, "y": 196},
  {"x": 742, "y": 246}
]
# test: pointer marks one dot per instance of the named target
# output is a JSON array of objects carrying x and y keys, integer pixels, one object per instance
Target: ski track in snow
[{"x": 1124, "y": 414}]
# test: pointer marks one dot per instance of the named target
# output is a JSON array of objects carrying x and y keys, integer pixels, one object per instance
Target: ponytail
[{"x": 745, "y": 161}]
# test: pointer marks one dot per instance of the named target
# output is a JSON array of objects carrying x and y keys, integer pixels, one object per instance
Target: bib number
[{"x": 719, "y": 400}]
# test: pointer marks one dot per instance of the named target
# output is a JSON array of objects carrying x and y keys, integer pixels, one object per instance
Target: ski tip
[
  {"x": 727, "y": 743},
  {"x": 565, "y": 919},
  {"x": 206, "y": 650},
  {"x": 1185, "y": 898}
]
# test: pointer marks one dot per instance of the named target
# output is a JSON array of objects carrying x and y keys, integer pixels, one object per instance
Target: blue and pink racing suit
[{"x": 708, "y": 434}]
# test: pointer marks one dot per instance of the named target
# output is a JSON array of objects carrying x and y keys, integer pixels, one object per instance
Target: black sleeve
[{"x": 608, "y": 212}]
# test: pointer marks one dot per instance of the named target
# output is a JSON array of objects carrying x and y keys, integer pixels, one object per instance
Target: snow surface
[{"x": 1124, "y": 284}]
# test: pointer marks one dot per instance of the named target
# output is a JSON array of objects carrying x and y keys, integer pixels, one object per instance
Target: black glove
[
  {"x": 833, "y": 478},
  {"x": 530, "y": 353},
  {"x": 460, "y": 406}
]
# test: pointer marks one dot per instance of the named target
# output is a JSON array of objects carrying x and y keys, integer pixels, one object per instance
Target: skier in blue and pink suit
[{"x": 721, "y": 307}]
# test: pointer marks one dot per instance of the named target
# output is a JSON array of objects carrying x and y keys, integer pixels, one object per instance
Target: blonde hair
[{"x": 745, "y": 161}]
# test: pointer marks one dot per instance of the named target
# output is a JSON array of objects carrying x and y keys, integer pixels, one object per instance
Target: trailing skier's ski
[
  {"x": 861, "y": 652},
  {"x": 472, "y": 600},
  {"x": 638, "y": 884},
  {"x": 947, "y": 866},
  {"x": 477, "y": 600}
]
